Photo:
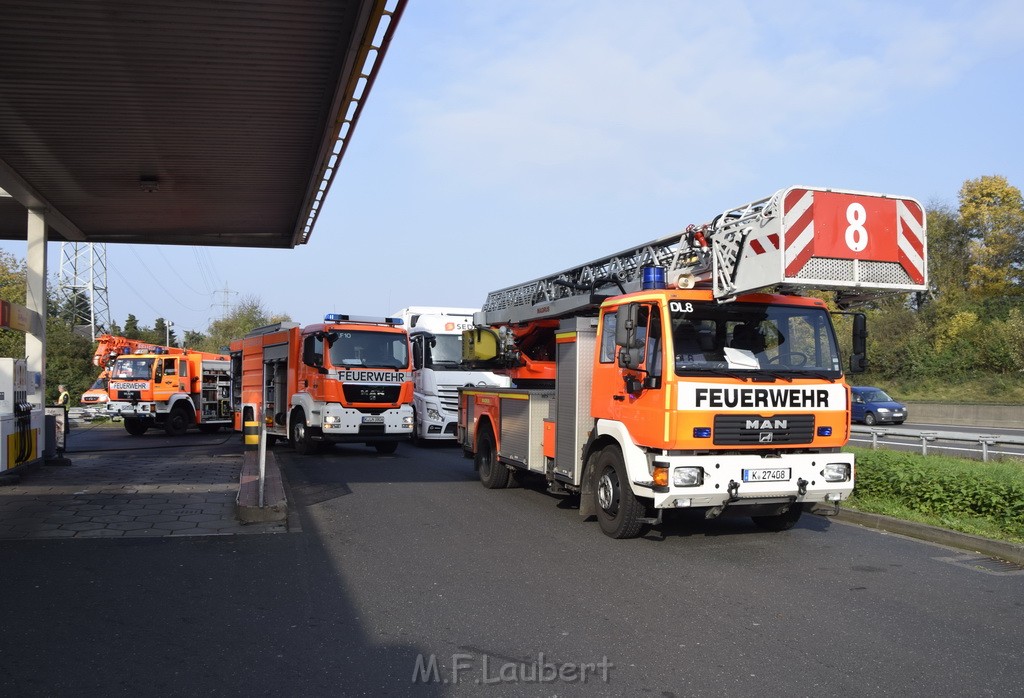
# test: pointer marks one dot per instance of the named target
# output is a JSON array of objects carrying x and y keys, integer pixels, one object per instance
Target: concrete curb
[
  {"x": 247, "y": 504},
  {"x": 1011, "y": 552}
]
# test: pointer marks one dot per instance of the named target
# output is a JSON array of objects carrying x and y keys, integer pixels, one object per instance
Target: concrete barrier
[{"x": 967, "y": 415}]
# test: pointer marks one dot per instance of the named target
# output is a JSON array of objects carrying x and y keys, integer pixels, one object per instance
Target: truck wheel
[
  {"x": 493, "y": 475},
  {"x": 416, "y": 440},
  {"x": 619, "y": 512},
  {"x": 178, "y": 421},
  {"x": 779, "y": 522},
  {"x": 869, "y": 419},
  {"x": 135, "y": 427},
  {"x": 301, "y": 442},
  {"x": 386, "y": 447}
]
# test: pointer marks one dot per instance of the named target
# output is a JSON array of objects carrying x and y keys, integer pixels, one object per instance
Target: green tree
[
  {"x": 193, "y": 339},
  {"x": 948, "y": 260},
  {"x": 12, "y": 289},
  {"x": 160, "y": 333},
  {"x": 68, "y": 359},
  {"x": 247, "y": 315},
  {"x": 131, "y": 327}
]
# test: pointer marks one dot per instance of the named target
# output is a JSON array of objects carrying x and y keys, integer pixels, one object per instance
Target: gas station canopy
[{"x": 188, "y": 123}]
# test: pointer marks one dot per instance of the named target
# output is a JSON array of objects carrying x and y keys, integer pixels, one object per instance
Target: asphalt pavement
[{"x": 401, "y": 575}]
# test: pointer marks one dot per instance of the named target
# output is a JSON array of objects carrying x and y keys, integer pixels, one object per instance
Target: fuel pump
[{"x": 20, "y": 422}]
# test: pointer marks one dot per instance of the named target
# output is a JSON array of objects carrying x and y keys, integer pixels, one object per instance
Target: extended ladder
[{"x": 800, "y": 237}]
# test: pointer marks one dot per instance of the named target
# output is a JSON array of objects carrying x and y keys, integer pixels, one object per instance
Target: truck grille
[
  {"x": 449, "y": 397},
  {"x": 755, "y": 430},
  {"x": 355, "y": 392}
]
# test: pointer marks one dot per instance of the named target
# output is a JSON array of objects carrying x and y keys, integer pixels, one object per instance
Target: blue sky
[{"x": 506, "y": 140}]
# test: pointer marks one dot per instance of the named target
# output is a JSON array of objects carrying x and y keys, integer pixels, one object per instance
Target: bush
[{"x": 944, "y": 487}]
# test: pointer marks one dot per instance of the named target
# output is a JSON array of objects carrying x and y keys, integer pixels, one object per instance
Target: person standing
[{"x": 64, "y": 400}]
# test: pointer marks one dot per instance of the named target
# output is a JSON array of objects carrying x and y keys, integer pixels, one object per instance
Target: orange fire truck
[
  {"x": 667, "y": 377},
  {"x": 109, "y": 347},
  {"x": 346, "y": 380},
  {"x": 170, "y": 390}
]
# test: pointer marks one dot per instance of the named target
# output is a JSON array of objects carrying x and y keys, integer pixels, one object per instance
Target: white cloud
[{"x": 624, "y": 98}]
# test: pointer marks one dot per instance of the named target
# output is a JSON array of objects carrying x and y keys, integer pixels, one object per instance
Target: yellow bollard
[{"x": 251, "y": 434}]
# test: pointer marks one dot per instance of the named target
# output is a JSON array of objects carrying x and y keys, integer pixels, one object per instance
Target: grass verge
[{"x": 982, "y": 499}]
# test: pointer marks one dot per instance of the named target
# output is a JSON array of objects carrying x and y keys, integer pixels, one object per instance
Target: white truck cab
[{"x": 435, "y": 334}]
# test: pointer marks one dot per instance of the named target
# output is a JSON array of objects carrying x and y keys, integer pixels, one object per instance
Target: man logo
[
  {"x": 767, "y": 424},
  {"x": 765, "y": 437}
]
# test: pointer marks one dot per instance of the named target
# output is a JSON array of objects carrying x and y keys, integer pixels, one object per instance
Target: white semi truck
[{"x": 436, "y": 337}]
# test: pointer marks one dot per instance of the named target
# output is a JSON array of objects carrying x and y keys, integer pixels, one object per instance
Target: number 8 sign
[{"x": 842, "y": 225}]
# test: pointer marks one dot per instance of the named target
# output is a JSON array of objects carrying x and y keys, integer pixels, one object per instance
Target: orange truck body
[
  {"x": 172, "y": 391},
  {"x": 347, "y": 380},
  {"x": 108, "y": 348}
]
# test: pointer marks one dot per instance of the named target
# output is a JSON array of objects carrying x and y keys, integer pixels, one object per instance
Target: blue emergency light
[{"x": 339, "y": 317}]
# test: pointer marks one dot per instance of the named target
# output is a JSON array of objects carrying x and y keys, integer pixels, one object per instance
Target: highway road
[{"x": 402, "y": 575}]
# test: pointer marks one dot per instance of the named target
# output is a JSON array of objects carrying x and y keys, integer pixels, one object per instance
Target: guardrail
[{"x": 985, "y": 441}]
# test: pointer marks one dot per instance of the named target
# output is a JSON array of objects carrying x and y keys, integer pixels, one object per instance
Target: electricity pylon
[{"x": 82, "y": 285}]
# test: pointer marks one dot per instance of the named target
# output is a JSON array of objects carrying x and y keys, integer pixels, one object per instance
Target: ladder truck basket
[
  {"x": 809, "y": 237},
  {"x": 857, "y": 243}
]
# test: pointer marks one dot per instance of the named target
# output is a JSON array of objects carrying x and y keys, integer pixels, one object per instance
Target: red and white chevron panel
[{"x": 848, "y": 225}]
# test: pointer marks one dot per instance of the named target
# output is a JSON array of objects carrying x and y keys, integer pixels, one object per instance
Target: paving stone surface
[{"x": 159, "y": 492}]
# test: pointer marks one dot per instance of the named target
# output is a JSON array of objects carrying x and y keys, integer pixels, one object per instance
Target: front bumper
[
  {"x": 726, "y": 481},
  {"x": 140, "y": 410},
  {"x": 345, "y": 424}
]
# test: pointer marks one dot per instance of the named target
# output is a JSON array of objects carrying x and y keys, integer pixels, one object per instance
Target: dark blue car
[{"x": 874, "y": 406}]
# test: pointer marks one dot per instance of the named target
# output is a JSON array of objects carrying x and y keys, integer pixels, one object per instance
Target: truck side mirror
[
  {"x": 631, "y": 353},
  {"x": 310, "y": 357},
  {"x": 417, "y": 353},
  {"x": 859, "y": 359}
]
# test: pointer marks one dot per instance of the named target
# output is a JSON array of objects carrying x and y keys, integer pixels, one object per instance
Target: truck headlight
[
  {"x": 407, "y": 421},
  {"x": 836, "y": 472},
  {"x": 433, "y": 415},
  {"x": 688, "y": 476},
  {"x": 330, "y": 419}
]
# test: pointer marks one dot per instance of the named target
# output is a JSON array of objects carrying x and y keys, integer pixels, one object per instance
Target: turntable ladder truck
[{"x": 688, "y": 372}]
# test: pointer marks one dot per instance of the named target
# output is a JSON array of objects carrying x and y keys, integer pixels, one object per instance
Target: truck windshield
[
  {"x": 740, "y": 336},
  {"x": 368, "y": 348},
  {"x": 446, "y": 352},
  {"x": 132, "y": 368}
]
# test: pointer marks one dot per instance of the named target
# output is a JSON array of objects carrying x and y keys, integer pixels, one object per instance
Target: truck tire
[
  {"x": 493, "y": 475},
  {"x": 619, "y": 512},
  {"x": 416, "y": 439},
  {"x": 779, "y": 522},
  {"x": 135, "y": 427},
  {"x": 178, "y": 421},
  {"x": 386, "y": 447},
  {"x": 301, "y": 442}
]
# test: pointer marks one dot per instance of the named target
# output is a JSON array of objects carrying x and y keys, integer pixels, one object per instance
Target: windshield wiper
[
  {"x": 809, "y": 373},
  {"x": 715, "y": 372}
]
